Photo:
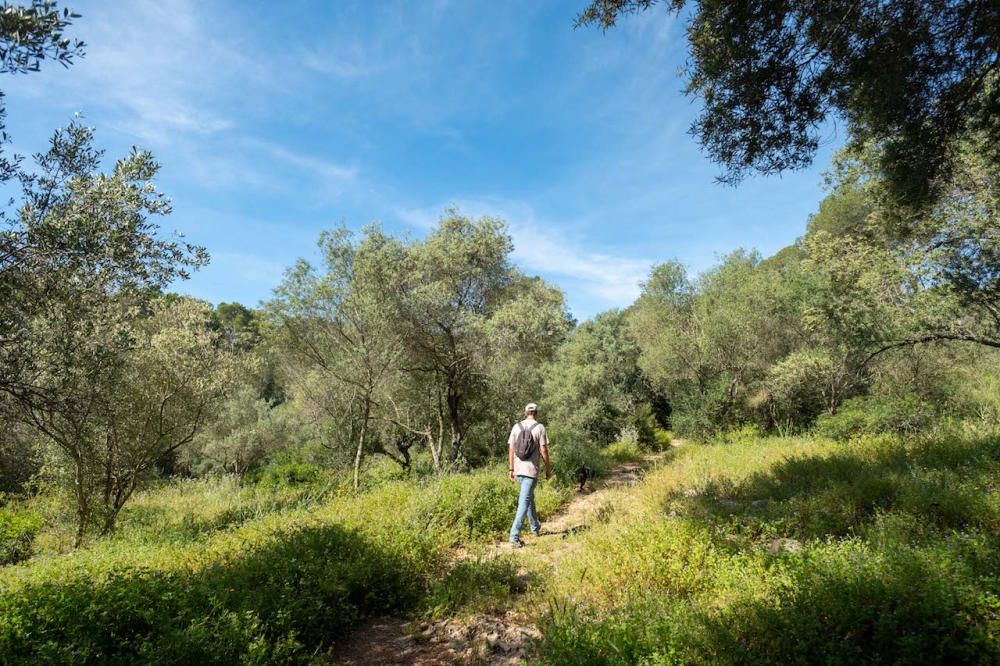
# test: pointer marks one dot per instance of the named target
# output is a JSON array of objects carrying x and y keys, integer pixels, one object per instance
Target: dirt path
[{"x": 501, "y": 638}]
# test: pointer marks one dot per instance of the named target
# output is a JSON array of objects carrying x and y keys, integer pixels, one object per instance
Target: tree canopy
[{"x": 912, "y": 77}]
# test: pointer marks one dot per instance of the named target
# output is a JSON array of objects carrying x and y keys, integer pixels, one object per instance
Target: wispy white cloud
[
  {"x": 156, "y": 68},
  {"x": 316, "y": 166},
  {"x": 612, "y": 280}
]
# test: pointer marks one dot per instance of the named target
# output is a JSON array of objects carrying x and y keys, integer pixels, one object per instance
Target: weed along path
[{"x": 503, "y": 632}]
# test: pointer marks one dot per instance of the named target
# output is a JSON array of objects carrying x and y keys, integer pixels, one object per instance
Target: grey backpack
[{"x": 525, "y": 445}]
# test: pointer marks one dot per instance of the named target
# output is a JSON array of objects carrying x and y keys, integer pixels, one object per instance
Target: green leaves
[
  {"x": 914, "y": 78},
  {"x": 29, "y": 35}
]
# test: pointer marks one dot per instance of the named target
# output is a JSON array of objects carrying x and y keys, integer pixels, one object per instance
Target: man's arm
[
  {"x": 510, "y": 460},
  {"x": 545, "y": 457}
]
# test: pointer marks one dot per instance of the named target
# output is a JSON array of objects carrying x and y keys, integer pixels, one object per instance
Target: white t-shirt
[{"x": 532, "y": 466}]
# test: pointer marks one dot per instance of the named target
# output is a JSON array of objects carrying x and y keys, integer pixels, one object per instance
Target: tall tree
[
  {"x": 593, "y": 384},
  {"x": 456, "y": 278},
  {"x": 338, "y": 331},
  {"x": 911, "y": 76},
  {"x": 86, "y": 262},
  {"x": 81, "y": 240},
  {"x": 395, "y": 342},
  {"x": 113, "y": 416},
  {"x": 937, "y": 281},
  {"x": 707, "y": 345}
]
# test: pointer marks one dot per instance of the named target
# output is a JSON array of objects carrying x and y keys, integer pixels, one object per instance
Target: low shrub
[
  {"x": 263, "y": 592},
  {"x": 571, "y": 452},
  {"x": 643, "y": 424},
  {"x": 276, "y": 587},
  {"x": 17, "y": 533},
  {"x": 472, "y": 586},
  {"x": 622, "y": 451},
  {"x": 481, "y": 504},
  {"x": 663, "y": 439},
  {"x": 747, "y": 433},
  {"x": 280, "y": 475},
  {"x": 903, "y": 415}
]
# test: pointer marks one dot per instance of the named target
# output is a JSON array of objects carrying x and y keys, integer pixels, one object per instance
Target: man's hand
[{"x": 512, "y": 475}]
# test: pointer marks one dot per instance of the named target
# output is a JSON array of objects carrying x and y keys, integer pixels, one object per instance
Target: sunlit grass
[
  {"x": 791, "y": 550},
  {"x": 214, "y": 570}
]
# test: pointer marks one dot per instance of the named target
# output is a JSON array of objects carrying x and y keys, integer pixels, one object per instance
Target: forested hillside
[{"x": 791, "y": 458}]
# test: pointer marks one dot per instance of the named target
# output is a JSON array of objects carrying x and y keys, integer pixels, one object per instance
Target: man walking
[{"x": 527, "y": 446}]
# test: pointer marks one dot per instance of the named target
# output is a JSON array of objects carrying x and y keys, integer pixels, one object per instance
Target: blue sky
[{"x": 276, "y": 120}]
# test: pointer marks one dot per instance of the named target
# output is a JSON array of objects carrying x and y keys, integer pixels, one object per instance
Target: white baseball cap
[{"x": 531, "y": 407}]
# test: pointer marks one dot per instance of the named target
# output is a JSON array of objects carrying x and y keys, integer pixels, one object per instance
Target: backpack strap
[{"x": 529, "y": 429}]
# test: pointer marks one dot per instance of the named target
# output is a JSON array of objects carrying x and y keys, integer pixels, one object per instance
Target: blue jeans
[{"x": 525, "y": 505}]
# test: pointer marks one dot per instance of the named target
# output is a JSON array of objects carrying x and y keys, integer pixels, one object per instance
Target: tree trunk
[
  {"x": 361, "y": 446},
  {"x": 455, "y": 420},
  {"x": 82, "y": 511},
  {"x": 435, "y": 448}
]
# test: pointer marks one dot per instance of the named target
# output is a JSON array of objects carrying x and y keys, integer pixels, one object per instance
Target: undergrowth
[
  {"x": 883, "y": 550},
  {"x": 209, "y": 572}
]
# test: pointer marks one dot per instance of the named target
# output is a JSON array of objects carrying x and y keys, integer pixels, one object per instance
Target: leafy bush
[
  {"x": 640, "y": 429},
  {"x": 663, "y": 439},
  {"x": 277, "y": 585},
  {"x": 481, "y": 504},
  {"x": 745, "y": 434},
  {"x": 902, "y": 415},
  {"x": 472, "y": 585},
  {"x": 286, "y": 474},
  {"x": 377, "y": 470},
  {"x": 17, "y": 532},
  {"x": 622, "y": 451},
  {"x": 570, "y": 452},
  {"x": 263, "y": 591},
  {"x": 244, "y": 434}
]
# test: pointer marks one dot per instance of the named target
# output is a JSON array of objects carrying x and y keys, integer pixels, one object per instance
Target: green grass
[
  {"x": 882, "y": 550},
  {"x": 209, "y": 571},
  {"x": 761, "y": 550}
]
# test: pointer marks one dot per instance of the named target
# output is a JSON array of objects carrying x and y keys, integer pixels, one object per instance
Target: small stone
[
  {"x": 505, "y": 646},
  {"x": 732, "y": 505},
  {"x": 784, "y": 546}
]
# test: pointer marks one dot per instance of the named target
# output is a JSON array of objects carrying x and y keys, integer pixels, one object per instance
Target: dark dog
[{"x": 584, "y": 474}]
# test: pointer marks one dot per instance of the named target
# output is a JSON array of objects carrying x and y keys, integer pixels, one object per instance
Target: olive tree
[
  {"x": 88, "y": 264},
  {"x": 593, "y": 384},
  {"x": 336, "y": 328},
  {"x": 112, "y": 416},
  {"x": 706, "y": 345},
  {"x": 395, "y": 343}
]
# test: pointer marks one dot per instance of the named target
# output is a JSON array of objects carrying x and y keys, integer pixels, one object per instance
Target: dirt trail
[{"x": 500, "y": 638}]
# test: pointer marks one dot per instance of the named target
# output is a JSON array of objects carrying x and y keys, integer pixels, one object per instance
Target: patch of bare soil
[
  {"x": 386, "y": 640},
  {"x": 503, "y": 639}
]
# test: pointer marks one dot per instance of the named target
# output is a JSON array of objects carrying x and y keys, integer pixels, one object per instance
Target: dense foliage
[
  {"x": 257, "y": 576},
  {"x": 915, "y": 77}
]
